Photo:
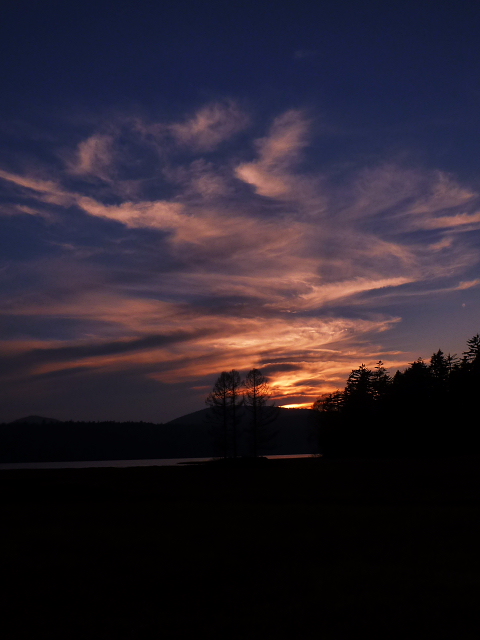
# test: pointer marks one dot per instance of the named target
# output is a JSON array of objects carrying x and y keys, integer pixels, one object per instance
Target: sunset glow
[
  {"x": 302, "y": 405},
  {"x": 151, "y": 242}
]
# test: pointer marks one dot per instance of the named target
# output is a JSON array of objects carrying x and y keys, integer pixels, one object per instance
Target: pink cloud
[
  {"x": 47, "y": 190},
  {"x": 270, "y": 174},
  {"x": 257, "y": 269},
  {"x": 94, "y": 156},
  {"x": 210, "y": 126},
  {"x": 449, "y": 222}
]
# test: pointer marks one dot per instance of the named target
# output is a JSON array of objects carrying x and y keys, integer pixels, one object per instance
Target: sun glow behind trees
[
  {"x": 168, "y": 216},
  {"x": 237, "y": 404},
  {"x": 428, "y": 408}
]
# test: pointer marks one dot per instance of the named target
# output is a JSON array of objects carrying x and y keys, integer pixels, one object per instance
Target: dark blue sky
[{"x": 187, "y": 187}]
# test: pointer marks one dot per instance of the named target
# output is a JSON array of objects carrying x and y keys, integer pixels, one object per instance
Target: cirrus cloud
[{"x": 214, "y": 262}]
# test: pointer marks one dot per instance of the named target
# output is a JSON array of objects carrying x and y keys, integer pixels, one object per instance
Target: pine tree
[
  {"x": 359, "y": 391},
  {"x": 439, "y": 367},
  {"x": 330, "y": 402},
  {"x": 472, "y": 355},
  {"x": 380, "y": 381}
]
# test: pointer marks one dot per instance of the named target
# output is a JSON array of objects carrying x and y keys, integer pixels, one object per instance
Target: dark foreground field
[{"x": 293, "y": 549}]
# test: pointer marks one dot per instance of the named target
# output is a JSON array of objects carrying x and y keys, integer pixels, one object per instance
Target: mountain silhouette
[
  {"x": 33, "y": 439},
  {"x": 292, "y": 431},
  {"x": 34, "y": 420}
]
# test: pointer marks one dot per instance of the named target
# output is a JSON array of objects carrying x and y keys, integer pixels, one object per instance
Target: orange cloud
[{"x": 272, "y": 276}]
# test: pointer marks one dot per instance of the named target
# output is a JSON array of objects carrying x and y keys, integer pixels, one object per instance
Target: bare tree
[
  {"x": 218, "y": 401},
  {"x": 225, "y": 401},
  {"x": 236, "y": 402},
  {"x": 257, "y": 394}
]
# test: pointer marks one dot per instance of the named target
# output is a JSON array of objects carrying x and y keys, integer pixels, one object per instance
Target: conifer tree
[
  {"x": 380, "y": 381},
  {"x": 472, "y": 355},
  {"x": 439, "y": 367},
  {"x": 359, "y": 391}
]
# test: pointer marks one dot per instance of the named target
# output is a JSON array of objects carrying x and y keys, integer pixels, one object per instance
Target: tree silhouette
[
  {"x": 472, "y": 354},
  {"x": 225, "y": 400},
  {"x": 330, "y": 402},
  {"x": 439, "y": 369},
  {"x": 427, "y": 409},
  {"x": 236, "y": 401},
  {"x": 218, "y": 401},
  {"x": 256, "y": 395},
  {"x": 359, "y": 391},
  {"x": 380, "y": 382}
]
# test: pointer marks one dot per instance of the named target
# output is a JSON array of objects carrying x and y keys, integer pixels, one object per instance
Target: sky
[{"x": 191, "y": 187}]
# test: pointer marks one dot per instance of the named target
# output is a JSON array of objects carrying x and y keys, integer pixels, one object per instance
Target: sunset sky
[{"x": 191, "y": 187}]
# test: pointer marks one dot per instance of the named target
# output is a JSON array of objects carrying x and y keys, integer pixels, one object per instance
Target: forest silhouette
[
  {"x": 431, "y": 408},
  {"x": 339, "y": 546},
  {"x": 427, "y": 410}
]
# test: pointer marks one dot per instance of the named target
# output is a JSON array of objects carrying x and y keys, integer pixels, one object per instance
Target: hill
[
  {"x": 292, "y": 431},
  {"x": 34, "y": 420},
  {"x": 188, "y": 436}
]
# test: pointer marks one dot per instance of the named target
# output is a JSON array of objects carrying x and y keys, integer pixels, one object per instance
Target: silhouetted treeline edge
[{"x": 430, "y": 409}]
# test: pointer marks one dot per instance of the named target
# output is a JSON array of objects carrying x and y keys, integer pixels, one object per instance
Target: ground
[{"x": 291, "y": 549}]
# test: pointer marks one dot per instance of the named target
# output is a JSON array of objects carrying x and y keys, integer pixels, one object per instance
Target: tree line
[
  {"x": 240, "y": 412},
  {"x": 430, "y": 408}
]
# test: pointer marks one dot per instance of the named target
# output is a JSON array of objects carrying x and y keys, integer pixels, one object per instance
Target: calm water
[{"x": 84, "y": 464}]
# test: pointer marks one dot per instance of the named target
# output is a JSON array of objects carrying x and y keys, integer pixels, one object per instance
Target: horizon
[
  {"x": 188, "y": 190},
  {"x": 22, "y": 418}
]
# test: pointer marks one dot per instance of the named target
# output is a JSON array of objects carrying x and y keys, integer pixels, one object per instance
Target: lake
[{"x": 86, "y": 464}]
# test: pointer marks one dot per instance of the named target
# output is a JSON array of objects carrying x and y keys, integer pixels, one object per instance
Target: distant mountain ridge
[
  {"x": 293, "y": 430},
  {"x": 34, "y": 420},
  {"x": 39, "y": 439}
]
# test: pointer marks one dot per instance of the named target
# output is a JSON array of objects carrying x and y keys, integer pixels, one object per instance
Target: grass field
[{"x": 292, "y": 549}]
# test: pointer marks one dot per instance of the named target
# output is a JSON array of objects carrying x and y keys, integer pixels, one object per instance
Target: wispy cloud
[
  {"x": 278, "y": 151},
  {"x": 210, "y": 126},
  {"x": 93, "y": 157},
  {"x": 209, "y": 262},
  {"x": 47, "y": 191},
  {"x": 472, "y": 220}
]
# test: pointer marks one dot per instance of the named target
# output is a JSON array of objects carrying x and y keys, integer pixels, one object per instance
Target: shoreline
[{"x": 292, "y": 480}]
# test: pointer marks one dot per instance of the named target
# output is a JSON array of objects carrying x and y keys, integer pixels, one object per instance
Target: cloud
[
  {"x": 205, "y": 344},
  {"x": 47, "y": 191},
  {"x": 210, "y": 126},
  {"x": 468, "y": 284},
  {"x": 200, "y": 180},
  {"x": 403, "y": 197},
  {"x": 443, "y": 193},
  {"x": 472, "y": 220},
  {"x": 94, "y": 157},
  {"x": 320, "y": 295},
  {"x": 270, "y": 174},
  {"x": 212, "y": 263}
]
